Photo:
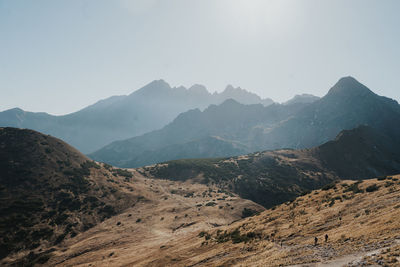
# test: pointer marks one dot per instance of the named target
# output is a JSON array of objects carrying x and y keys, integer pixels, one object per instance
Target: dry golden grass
[
  {"x": 355, "y": 223},
  {"x": 163, "y": 228},
  {"x": 167, "y": 217},
  {"x": 358, "y": 225}
]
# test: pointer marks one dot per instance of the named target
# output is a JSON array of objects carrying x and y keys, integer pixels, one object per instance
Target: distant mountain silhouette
[
  {"x": 121, "y": 117},
  {"x": 347, "y": 105},
  {"x": 235, "y": 125},
  {"x": 303, "y": 98}
]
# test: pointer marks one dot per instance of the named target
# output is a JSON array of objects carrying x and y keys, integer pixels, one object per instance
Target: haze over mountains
[
  {"x": 232, "y": 128},
  {"x": 59, "y": 208},
  {"x": 121, "y": 117}
]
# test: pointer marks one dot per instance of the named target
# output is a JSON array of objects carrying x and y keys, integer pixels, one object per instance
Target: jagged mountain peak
[
  {"x": 153, "y": 87},
  {"x": 230, "y": 89},
  {"x": 349, "y": 86},
  {"x": 302, "y": 98},
  {"x": 199, "y": 89}
]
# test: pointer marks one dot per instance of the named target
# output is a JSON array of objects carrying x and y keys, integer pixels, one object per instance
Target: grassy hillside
[
  {"x": 268, "y": 178},
  {"x": 359, "y": 217},
  {"x": 272, "y": 177},
  {"x": 167, "y": 214},
  {"x": 51, "y": 194}
]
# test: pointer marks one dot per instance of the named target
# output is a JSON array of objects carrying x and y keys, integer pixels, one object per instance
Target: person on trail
[
  {"x": 326, "y": 238},
  {"x": 315, "y": 241}
]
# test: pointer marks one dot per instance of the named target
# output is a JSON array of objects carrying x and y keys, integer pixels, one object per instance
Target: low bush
[{"x": 372, "y": 188}]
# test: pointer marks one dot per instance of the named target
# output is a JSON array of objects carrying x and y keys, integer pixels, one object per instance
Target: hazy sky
[{"x": 59, "y": 56}]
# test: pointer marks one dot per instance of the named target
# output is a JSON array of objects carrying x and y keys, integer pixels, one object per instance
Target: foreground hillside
[
  {"x": 49, "y": 192},
  {"x": 167, "y": 214},
  {"x": 56, "y": 201},
  {"x": 240, "y": 129},
  {"x": 360, "y": 219}
]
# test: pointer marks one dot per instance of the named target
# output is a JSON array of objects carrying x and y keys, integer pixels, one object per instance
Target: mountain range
[
  {"x": 121, "y": 117},
  {"x": 232, "y": 128},
  {"x": 58, "y": 208}
]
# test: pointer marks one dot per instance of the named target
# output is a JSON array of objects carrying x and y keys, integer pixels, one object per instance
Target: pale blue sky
[{"x": 59, "y": 56}]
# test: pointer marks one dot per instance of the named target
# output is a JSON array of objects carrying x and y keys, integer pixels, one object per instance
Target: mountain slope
[
  {"x": 361, "y": 152},
  {"x": 360, "y": 219},
  {"x": 272, "y": 177},
  {"x": 51, "y": 194},
  {"x": 121, "y": 117},
  {"x": 303, "y": 98},
  {"x": 49, "y": 191},
  {"x": 347, "y": 105},
  {"x": 234, "y": 123}
]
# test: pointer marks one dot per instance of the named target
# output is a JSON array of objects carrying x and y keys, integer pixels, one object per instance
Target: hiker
[
  {"x": 315, "y": 241},
  {"x": 326, "y": 238}
]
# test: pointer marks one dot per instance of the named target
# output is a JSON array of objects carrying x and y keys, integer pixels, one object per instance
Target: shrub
[
  {"x": 202, "y": 233},
  {"x": 122, "y": 172},
  {"x": 248, "y": 212},
  {"x": 354, "y": 188},
  {"x": 372, "y": 188},
  {"x": 388, "y": 184},
  {"x": 329, "y": 186}
]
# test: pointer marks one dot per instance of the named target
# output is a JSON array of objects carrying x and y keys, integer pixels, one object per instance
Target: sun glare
[{"x": 255, "y": 16}]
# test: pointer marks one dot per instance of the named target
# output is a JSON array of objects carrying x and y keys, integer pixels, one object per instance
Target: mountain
[
  {"x": 220, "y": 130},
  {"x": 364, "y": 152},
  {"x": 51, "y": 194},
  {"x": 272, "y": 177},
  {"x": 347, "y": 105},
  {"x": 242, "y": 96},
  {"x": 49, "y": 191},
  {"x": 121, "y": 117},
  {"x": 60, "y": 209},
  {"x": 303, "y": 98}
]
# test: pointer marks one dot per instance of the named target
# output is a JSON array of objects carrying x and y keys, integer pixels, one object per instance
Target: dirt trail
[{"x": 348, "y": 260}]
